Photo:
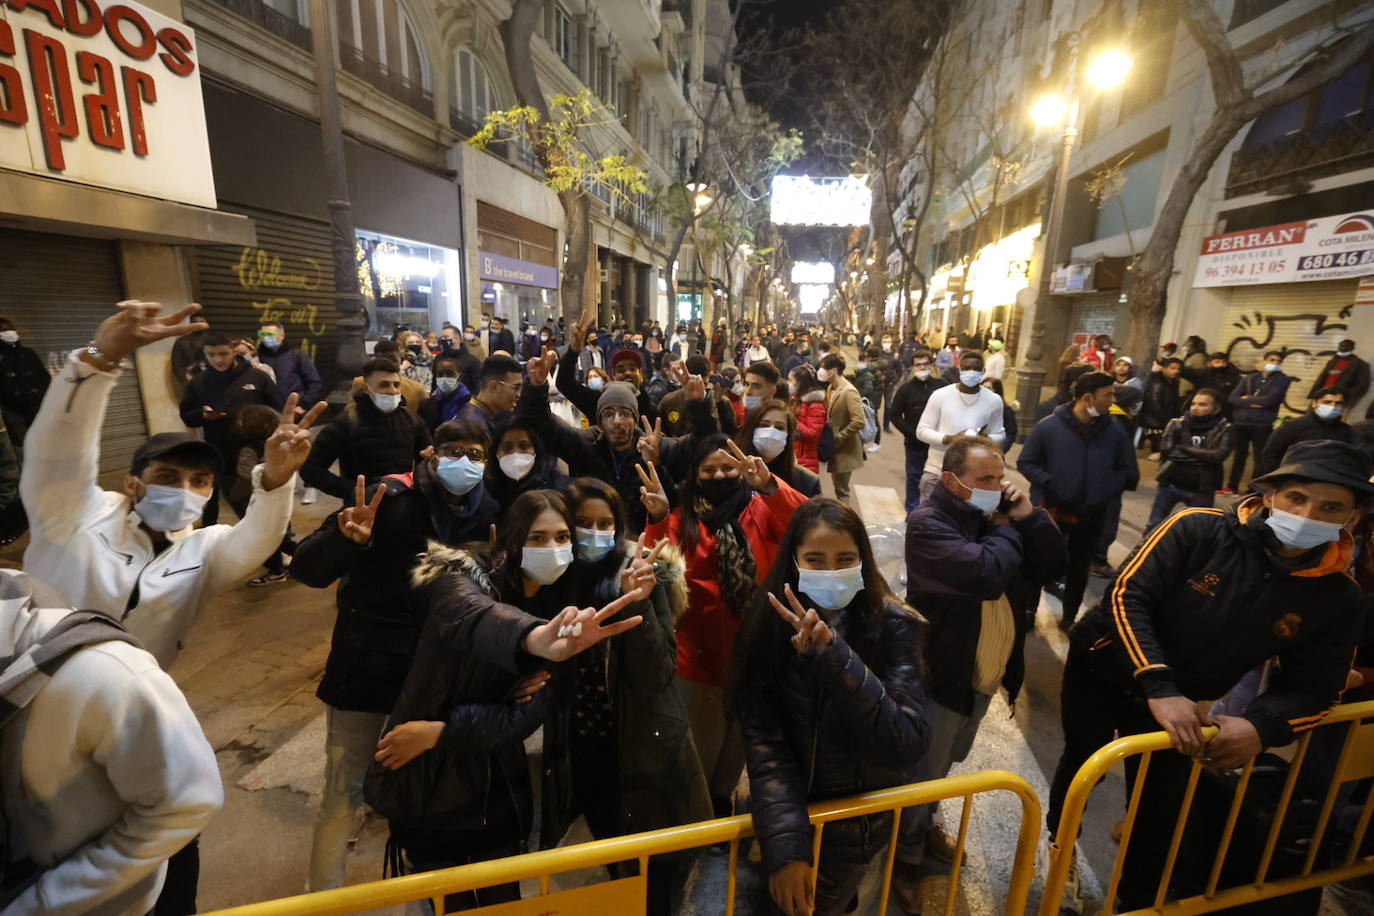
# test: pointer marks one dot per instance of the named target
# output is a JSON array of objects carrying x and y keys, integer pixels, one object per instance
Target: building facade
[{"x": 1308, "y": 162}]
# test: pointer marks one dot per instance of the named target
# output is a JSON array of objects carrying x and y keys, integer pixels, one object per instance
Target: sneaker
[
  {"x": 1226, "y": 491},
  {"x": 872, "y": 447},
  {"x": 270, "y": 578},
  {"x": 309, "y": 496},
  {"x": 1072, "y": 900}
]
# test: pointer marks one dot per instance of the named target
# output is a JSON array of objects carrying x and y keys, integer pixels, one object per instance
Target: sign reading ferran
[{"x": 799, "y": 200}]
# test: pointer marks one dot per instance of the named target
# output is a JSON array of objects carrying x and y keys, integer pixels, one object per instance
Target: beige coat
[{"x": 845, "y": 412}]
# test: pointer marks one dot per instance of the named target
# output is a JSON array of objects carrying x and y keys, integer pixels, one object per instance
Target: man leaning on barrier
[{"x": 1208, "y": 596}]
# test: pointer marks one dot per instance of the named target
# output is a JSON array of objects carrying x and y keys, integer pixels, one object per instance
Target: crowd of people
[{"x": 618, "y": 536}]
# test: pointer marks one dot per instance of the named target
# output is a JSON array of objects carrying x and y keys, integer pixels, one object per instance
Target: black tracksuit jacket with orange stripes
[{"x": 1202, "y": 601}]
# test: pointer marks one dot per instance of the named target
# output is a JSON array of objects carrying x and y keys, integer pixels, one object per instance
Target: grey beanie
[{"x": 617, "y": 394}]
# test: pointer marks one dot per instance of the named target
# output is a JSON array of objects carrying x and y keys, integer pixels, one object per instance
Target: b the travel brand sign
[
  {"x": 500, "y": 269},
  {"x": 1330, "y": 248},
  {"x": 103, "y": 93}
]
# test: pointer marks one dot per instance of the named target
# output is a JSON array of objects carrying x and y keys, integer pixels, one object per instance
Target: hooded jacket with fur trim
[{"x": 1203, "y": 600}]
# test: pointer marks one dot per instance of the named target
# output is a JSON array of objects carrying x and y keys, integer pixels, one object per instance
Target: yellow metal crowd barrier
[
  {"x": 626, "y": 896},
  {"x": 1354, "y": 761}
]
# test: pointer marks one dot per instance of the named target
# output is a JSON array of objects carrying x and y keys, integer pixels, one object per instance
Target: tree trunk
[
  {"x": 1150, "y": 278},
  {"x": 516, "y": 33}
]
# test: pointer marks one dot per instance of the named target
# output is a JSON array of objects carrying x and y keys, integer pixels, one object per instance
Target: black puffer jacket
[
  {"x": 1197, "y": 452},
  {"x": 364, "y": 441},
  {"x": 844, "y": 722},
  {"x": 380, "y": 615},
  {"x": 465, "y": 668},
  {"x": 658, "y": 774},
  {"x": 1203, "y": 600}
]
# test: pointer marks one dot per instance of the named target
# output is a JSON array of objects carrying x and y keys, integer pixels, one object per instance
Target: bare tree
[{"x": 1238, "y": 102}]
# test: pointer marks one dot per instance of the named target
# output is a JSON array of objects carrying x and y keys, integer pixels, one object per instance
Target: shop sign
[
  {"x": 1072, "y": 278},
  {"x": 1330, "y": 248},
  {"x": 105, "y": 94},
  {"x": 499, "y": 269},
  {"x": 1364, "y": 295}
]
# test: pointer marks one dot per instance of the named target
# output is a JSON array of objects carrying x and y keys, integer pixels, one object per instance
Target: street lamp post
[{"x": 1105, "y": 71}]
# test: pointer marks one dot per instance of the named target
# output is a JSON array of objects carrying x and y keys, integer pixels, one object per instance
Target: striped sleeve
[{"x": 1143, "y": 586}]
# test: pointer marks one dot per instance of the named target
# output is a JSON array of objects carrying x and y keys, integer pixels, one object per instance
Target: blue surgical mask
[
  {"x": 592, "y": 545},
  {"x": 971, "y": 378},
  {"x": 596, "y": 383},
  {"x": 545, "y": 564},
  {"x": 1302, "y": 533},
  {"x": 446, "y": 385},
  {"x": 752, "y": 401},
  {"x": 270, "y": 341},
  {"x": 831, "y": 589},
  {"x": 459, "y": 475},
  {"x": 386, "y": 403},
  {"x": 1272, "y": 367},
  {"x": 1328, "y": 411},
  {"x": 169, "y": 508},
  {"x": 770, "y": 442},
  {"x": 985, "y": 501}
]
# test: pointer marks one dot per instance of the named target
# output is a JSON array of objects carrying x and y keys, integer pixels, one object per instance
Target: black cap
[
  {"x": 1326, "y": 461},
  {"x": 184, "y": 446}
]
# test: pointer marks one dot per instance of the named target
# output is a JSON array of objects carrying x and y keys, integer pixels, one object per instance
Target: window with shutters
[
  {"x": 474, "y": 95},
  {"x": 379, "y": 43},
  {"x": 565, "y": 37},
  {"x": 1153, "y": 49}
]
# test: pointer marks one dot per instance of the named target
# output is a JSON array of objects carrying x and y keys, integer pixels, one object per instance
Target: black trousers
[
  {"x": 178, "y": 897},
  {"x": 1252, "y": 438},
  {"x": 1082, "y": 531}
]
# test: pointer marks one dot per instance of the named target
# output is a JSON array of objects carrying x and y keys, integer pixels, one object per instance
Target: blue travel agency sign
[{"x": 511, "y": 270}]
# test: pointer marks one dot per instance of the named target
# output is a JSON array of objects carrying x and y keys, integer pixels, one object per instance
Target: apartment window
[
  {"x": 565, "y": 37},
  {"x": 1149, "y": 77},
  {"x": 474, "y": 96},
  {"x": 1247, "y": 10},
  {"x": 378, "y": 41}
]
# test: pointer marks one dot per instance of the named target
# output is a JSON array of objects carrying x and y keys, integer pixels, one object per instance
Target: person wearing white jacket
[
  {"x": 106, "y": 773},
  {"x": 137, "y": 555}
]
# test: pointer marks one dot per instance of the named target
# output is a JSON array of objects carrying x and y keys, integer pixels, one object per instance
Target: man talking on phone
[{"x": 970, "y": 549}]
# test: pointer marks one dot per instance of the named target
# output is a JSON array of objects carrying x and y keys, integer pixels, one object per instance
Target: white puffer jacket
[{"x": 88, "y": 544}]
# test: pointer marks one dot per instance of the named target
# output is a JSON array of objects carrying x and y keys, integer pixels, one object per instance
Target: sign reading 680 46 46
[{"x": 103, "y": 93}]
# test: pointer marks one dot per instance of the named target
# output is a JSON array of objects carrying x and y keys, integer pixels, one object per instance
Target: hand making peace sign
[
  {"x": 288, "y": 447},
  {"x": 651, "y": 494},
  {"x": 813, "y": 634},
  {"x": 639, "y": 578},
  {"x": 355, "y": 522},
  {"x": 752, "y": 468},
  {"x": 573, "y": 630},
  {"x": 649, "y": 442}
]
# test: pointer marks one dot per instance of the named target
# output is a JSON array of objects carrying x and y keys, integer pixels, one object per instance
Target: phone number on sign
[{"x": 1343, "y": 259}]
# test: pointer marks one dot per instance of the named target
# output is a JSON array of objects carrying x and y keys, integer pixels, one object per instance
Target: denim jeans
[
  {"x": 950, "y": 738},
  {"x": 349, "y": 746},
  {"x": 916, "y": 456}
]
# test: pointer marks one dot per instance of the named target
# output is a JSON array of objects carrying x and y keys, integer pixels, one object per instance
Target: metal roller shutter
[
  {"x": 288, "y": 277},
  {"x": 57, "y": 289},
  {"x": 1303, "y": 320}
]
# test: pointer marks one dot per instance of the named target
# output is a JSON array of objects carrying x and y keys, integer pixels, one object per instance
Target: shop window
[
  {"x": 474, "y": 94},
  {"x": 405, "y": 283}
]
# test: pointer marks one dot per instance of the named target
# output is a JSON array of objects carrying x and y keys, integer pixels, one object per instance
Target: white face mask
[
  {"x": 446, "y": 385},
  {"x": 1340, "y": 353},
  {"x": 737, "y": 389},
  {"x": 752, "y": 401},
  {"x": 386, "y": 403},
  {"x": 832, "y": 589},
  {"x": 922, "y": 374},
  {"x": 546, "y": 564},
  {"x": 1272, "y": 367},
  {"x": 985, "y": 501},
  {"x": 9, "y": 337},
  {"x": 169, "y": 508},
  {"x": 1328, "y": 411},
  {"x": 824, "y": 375},
  {"x": 770, "y": 442},
  {"x": 1093, "y": 411},
  {"x": 1302, "y": 533},
  {"x": 516, "y": 465}
]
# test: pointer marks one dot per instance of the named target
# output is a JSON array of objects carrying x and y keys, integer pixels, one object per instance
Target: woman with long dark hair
[
  {"x": 826, "y": 680},
  {"x": 523, "y": 463},
  {"x": 617, "y": 743},
  {"x": 770, "y": 432},
  {"x": 733, "y": 511},
  {"x": 451, "y": 775}
]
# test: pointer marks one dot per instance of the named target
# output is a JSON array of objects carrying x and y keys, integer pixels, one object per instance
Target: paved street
[{"x": 253, "y": 661}]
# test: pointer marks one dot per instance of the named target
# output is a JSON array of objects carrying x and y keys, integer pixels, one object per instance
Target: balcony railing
[
  {"x": 392, "y": 83},
  {"x": 1331, "y": 150},
  {"x": 464, "y": 123},
  {"x": 278, "y": 23}
]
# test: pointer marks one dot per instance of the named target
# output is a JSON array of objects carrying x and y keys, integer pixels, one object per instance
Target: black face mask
[
  {"x": 415, "y": 348},
  {"x": 719, "y": 490}
]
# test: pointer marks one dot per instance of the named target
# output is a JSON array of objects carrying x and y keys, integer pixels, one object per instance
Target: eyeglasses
[
  {"x": 513, "y": 386},
  {"x": 457, "y": 451}
]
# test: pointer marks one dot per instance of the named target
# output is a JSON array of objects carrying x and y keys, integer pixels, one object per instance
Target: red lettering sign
[
  {"x": 13, "y": 109},
  {"x": 102, "y": 107},
  {"x": 1245, "y": 240},
  {"x": 52, "y": 84},
  {"x": 138, "y": 88}
]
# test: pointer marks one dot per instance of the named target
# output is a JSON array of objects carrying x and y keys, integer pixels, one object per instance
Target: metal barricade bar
[{"x": 546, "y": 863}]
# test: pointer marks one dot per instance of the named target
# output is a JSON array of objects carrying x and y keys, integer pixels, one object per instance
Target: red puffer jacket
[
  {"x": 706, "y": 633},
  {"x": 811, "y": 420}
]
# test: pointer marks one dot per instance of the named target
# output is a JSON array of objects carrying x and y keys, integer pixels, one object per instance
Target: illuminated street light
[
  {"x": 870, "y": 262},
  {"x": 1108, "y": 70},
  {"x": 1049, "y": 110}
]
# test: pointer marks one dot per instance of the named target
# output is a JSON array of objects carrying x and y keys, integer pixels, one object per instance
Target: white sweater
[
  {"x": 106, "y": 774},
  {"x": 949, "y": 413},
  {"x": 88, "y": 544}
]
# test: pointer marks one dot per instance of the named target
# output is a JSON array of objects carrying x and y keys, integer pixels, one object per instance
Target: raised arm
[{"x": 578, "y": 394}]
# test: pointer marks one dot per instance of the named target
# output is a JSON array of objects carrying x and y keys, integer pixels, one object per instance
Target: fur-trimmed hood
[{"x": 441, "y": 560}]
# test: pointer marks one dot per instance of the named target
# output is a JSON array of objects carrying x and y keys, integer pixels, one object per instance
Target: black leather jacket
[{"x": 832, "y": 725}]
